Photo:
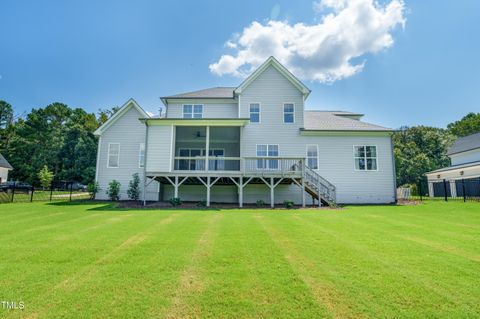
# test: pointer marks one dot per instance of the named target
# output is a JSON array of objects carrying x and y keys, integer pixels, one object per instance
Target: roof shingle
[
  {"x": 210, "y": 93},
  {"x": 333, "y": 121},
  {"x": 464, "y": 144},
  {"x": 4, "y": 163}
]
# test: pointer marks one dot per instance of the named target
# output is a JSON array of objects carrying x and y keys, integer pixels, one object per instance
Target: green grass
[{"x": 95, "y": 261}]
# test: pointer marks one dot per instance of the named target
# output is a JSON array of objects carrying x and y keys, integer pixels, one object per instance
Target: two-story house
[
  {"x": 463, "y": 174},
  {"x": 248, "y": 143}
]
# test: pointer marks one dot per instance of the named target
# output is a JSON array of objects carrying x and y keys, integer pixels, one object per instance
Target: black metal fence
[
  {"x": 57, "y": 191},
  {"x": 467, "y": 189}
]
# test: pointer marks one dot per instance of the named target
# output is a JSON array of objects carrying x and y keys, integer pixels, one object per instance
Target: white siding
[
  {"x": 210, "y": 110},
  {"x": 3, "y": 174},
  {"x": 159, "y": 150},
  {"x": 130, "y": 133},
  {"x": 465, "y": 157}
]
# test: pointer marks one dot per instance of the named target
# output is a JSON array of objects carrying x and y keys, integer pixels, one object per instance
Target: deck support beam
[
  {"x": 208, "y": 184},
  {"x": 271, "y": 184},
  {"x": 240, "y": 184}
]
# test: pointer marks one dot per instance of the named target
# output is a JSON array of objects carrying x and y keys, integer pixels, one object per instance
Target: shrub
[
  {"x": 133, "y": 191},
  {"x": 93, "y": 189},
  {"x": 288, "y": 204},
  {"x": 202, "y": 203},
  {"x": 113, "y": 190},
  {"x": 175, "y": 201},
  {"x": 45, "y": 176},
  {"x": 260, "y": 203}
]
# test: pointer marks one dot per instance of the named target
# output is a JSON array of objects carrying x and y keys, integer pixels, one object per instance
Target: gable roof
[
  {"x": 464, "y": 144},
  {"x": 337, "y": 121},
  {"x": 271, "y": 61},
  {"x": 124, "y": 109},
  {"x": 4, "y": 163}
]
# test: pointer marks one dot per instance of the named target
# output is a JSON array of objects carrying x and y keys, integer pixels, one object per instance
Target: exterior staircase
[{"x": 319, "y": 188}]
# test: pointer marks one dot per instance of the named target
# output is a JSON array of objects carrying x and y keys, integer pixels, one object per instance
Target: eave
[{"x": 196, "y": 122}]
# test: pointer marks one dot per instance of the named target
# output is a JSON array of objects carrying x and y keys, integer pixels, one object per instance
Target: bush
[
  {"x": 202, "y": 203},
  {"x": 260, "y": 203},
  {"x": 93, "y": 189},
  {"x": 133, "y": 191},
  {"x": 113, "y": 190},
  {"x": 288, "y": 204},
  {"x": 175, "y": 201}
]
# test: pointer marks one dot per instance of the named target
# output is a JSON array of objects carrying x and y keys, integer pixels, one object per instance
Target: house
[
  {"x": 4, "y": 168},
  {"x": 463, "y": 174},
  {"x": 245, "y": 144}
]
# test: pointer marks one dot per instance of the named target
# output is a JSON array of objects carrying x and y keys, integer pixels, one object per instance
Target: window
[
  {"x": 265, "y": 150},
  {"x": 113, "y": 155},
  {"x": 365, "y": 158},
  {"x": 194, "y": 111},
  {"x": 288, "y": 113},
  {"x": 141, "y": 156},
  {"x": 312, "y": 156},
  {"x": 254, "y": 112}
]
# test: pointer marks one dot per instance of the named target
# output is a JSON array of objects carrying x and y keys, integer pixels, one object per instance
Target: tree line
[
  {"x": 56, "y": 136},
  {"x": 61, "y": 138}
]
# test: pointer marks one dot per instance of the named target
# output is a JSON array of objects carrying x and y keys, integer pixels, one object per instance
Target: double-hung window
[
  {"x": 365, "y": 158},
  {"x": 267, "y": 150},
  {"x": 113, "y": 155},
  {"x": 141, "y": 155},
  {"x": 192, "y": 111},
  {"x": 288, "y": 113},
  {"x": 254, "y": 112},
  {"x": 312, "y": 156}
]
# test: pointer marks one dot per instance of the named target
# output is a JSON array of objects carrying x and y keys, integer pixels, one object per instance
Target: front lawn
[{"x": 92, "y": 260}]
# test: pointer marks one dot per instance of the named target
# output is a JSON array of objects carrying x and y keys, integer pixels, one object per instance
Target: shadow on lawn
[{"x": 115, "y": 206}]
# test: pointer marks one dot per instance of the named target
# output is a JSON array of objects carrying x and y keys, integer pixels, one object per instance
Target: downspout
[
  {"x": 98, "y": 162},
  {"x": 394, "y": 170},
  {"x": 145, "y": 165}
]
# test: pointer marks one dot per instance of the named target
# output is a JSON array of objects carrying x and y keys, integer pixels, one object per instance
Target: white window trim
[
  {"x": 259, "y": 112},
  {"x": 273, "y": 157},
  {"x": 193, "y": 110},
  {"x": 108, "y": 155},
  {"x": 140, "y": 156},
  {"x": 307, "y": 157},
  {"x": 283, "y": 113},
  {"x": 376, "y": 157}
]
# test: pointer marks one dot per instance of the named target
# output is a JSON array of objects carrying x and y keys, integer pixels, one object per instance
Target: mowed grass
[{"x": 96, "y": 261}]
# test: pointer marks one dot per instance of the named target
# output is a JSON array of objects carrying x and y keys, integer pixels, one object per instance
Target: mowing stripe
[
  {"x": 413, "y": 277},
  {"x": 76, "y": 280},
  {"x": 325, "y": 294},
  {"x": 190, "y": 281}
]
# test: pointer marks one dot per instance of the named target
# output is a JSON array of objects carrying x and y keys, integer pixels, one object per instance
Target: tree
[
  {"x": 419, "y": 150},
  {"x": 133, "y": 191},
  {"x": 469, "y": 124},
  {"x": 113, "y": 190},
  {"x": 45, "y": 176}
]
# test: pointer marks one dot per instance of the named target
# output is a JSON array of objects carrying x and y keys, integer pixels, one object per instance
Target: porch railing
[{"x": 258, "y": 164}]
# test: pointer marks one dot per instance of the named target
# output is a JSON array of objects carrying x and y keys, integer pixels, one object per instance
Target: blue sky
[{"x": 97, "y": 54}]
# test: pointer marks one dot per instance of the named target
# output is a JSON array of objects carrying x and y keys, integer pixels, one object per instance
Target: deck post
[
  {"x": 303, "y": 182},
  {"x": 272, "y": 195},
  {"x": 176, "y": 187},
  {"x": 319, "y": 197},
  {"x": 240, "y": 192},
  {"x": 208, "y": 190}
]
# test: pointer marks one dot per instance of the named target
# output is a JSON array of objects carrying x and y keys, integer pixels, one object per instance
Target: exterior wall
[
  {"x": 129, "y": 132},
  {"x": 229, "y": 193},
  {"x": 3, "y": 174},
  {"x": 465, "y": 157},
  {"x": 211, "y": 109},
  {"x": 468, "y": 172},
  {"x": 159, "y": 148}
]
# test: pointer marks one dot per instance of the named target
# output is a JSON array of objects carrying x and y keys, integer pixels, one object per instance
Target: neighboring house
[
  {"x": 248, "y": 143},
  {"x": 465, "y": 157},
  {"x": 4, "y": 168}
]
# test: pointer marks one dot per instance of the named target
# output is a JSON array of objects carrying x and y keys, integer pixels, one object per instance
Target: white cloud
[{"x": 322, "y": 52}]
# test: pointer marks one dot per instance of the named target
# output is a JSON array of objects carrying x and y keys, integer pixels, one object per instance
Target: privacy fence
[
  {"x": 57, "y": 191},
  {"x": 443, "y": 189}
]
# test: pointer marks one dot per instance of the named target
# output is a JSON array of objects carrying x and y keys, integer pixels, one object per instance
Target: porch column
[
  {"x": 240, "y": 192},
  {"x": 453, "y": 188},
  {"x": 303, "y": 192},
  {"x": 272, "y": 195},
  {"x": 207, "y": 148},
  {"x": 176, "y": 187},
  {"x": 208, "y": 187}
]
